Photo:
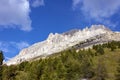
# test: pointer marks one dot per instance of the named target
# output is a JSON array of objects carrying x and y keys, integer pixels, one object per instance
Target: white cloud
[
  {"x": 15, "y": 13},
  {"x": 10, "y": 49},
  {"x": 9, "y": 46},
  {"x": 98, "y": 10},
  {"x": 37, "y": 3}
]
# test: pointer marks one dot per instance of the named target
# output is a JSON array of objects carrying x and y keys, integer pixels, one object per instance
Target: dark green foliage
[
  {"x": 118, "y": 43},
  {"x": 113, "y": 46},
  {"x": 86, "y": 69},
  {"x": 70, "y": 65},
  {"x": 1, "y": 72},
  {"x": 10, "y": 73},
  {"x": 95, "y": 47},
  {"x": 1, "y": 62},
  {"x": 1, "y": 57},
  {"x": 22, "y": 65},
  {"x": 100, "y": 71},
  {"x": 118, "y": 71},
  {"x": 99, "y": 49},
  {"x": 66, "y": 65}
]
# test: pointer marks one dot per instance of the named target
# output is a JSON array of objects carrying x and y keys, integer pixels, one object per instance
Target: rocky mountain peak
[
  {"x": 96, "y": 34},
  {"x": 94, "y": 27}
]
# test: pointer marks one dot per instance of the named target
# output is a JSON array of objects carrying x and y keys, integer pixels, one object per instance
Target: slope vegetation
[{"x": 99, "y": 63}]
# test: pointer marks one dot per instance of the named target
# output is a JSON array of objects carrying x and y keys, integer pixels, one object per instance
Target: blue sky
[{"x": 25, "y": 22}]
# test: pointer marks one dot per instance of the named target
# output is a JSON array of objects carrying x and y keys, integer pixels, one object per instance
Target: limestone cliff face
[{"x": 58, "y": 42}]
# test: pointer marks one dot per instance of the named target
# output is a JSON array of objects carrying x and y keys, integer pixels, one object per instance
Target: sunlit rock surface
[{"x": 58, "y": 42}]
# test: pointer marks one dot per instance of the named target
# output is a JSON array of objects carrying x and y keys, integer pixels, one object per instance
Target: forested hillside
[{"x": 102, "y": 62}]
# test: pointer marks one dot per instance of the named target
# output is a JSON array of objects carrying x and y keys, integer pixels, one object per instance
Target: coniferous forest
[{"x": 101, "y": 62}]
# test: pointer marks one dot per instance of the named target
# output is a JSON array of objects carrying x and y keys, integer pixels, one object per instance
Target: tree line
[{"x": 66, "y": 65}]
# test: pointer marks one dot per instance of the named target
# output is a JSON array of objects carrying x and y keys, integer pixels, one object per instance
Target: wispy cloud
[
  {"x": 6, "y": 58},
  {"x": 5, "y": 46},
  {"x": 76, "y": 3},
  {"x": 12, "y": 48},
  {"x": 19, "y": 45},
  {"x": 99, "y": 10},
  {"x": 37, "y": 3}
]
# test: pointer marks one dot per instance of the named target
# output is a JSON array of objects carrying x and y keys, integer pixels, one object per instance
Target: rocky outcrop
[{"x": 57, "y": 42}]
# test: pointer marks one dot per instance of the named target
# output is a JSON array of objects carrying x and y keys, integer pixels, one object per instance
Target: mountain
[{"x": 96, "y": 34}]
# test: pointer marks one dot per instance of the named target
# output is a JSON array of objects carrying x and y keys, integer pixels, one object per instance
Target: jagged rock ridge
[{"x": 96, "y": 34}]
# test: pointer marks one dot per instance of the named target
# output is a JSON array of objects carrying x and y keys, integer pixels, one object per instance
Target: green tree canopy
[{"x": 1, "y": 57}]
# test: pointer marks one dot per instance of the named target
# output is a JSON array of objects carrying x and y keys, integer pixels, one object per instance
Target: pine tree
[
  {"x": 1, "y": 57},
  {"x": 113, "y": 46},
  {"x": 1, "y": 62},
  {"x": 100, "y": 50}
]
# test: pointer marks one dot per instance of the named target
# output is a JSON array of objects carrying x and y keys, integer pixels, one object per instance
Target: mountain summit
[{"x": 96, "y": 34}]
